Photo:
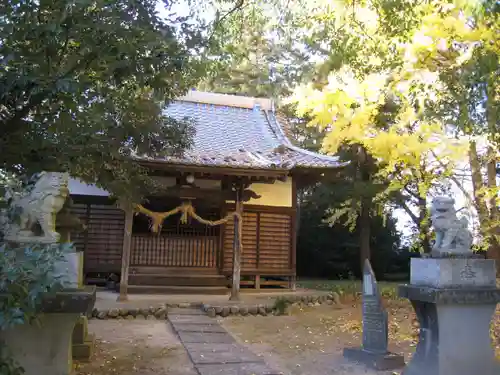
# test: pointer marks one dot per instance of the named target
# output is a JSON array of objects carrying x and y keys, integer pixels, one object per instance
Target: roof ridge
[{"x": 228, "y": 100}]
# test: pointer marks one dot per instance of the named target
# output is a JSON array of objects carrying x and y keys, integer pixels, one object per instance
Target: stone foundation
[{"x": 159, "y": 312}]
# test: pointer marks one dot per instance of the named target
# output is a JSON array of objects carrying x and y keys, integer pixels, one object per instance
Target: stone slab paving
[
  {"x": 206, "y": 337},
  {"x": 226, "y": 353},
  {"x": 212, "y": 349},
  {"x": 192, "y": 319},
  {"x": 236, "y": 369},
  {"x": 183, "y": 311},
  {"x": 187, "y": 327}
]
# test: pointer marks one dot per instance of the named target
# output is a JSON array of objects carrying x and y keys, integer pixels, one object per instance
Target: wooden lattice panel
[
  {"x": 102, "y": 241},
  {"x": 267, "y": 242},
  {"x": 170, "y": 251},
  {"x": 275, "y": 240}
]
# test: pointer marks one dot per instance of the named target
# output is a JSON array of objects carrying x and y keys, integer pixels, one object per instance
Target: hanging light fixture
[{"x": 190, "y": 179}]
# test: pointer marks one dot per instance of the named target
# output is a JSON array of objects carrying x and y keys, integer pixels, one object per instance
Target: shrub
[{"x": 28, "y": 274}]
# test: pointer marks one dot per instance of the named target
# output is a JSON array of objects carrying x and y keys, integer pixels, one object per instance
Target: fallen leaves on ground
[{"x": 328, "y": 329}]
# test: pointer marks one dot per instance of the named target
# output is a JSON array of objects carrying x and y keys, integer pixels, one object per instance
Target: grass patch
[{"x": 345, "y": 288}]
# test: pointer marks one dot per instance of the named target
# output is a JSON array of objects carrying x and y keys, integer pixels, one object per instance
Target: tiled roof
[{"x": 230, "y": 136}]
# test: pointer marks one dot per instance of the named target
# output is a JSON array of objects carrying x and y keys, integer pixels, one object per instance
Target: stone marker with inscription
[
  {"x": 454, "y": 295},
  {"x": 374, "y": 351}
]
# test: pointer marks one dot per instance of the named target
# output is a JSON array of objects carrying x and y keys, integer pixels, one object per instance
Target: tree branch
[
  {"x": 454, "y": 179},
  {"x": 239, "y": 5},
  {"x": 407, "y": 209},
  {"x": 14, "y": 124}
]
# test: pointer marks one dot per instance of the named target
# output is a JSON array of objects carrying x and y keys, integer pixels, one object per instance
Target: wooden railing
[{"x": 172, "y": 251}]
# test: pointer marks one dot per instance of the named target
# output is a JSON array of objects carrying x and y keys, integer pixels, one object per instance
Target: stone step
[
  {"x": 182, "y": 271},
  {"x": 178, "y": 280},
  {"x": 183, "y": 311},
  {"x": 162, "y": 289}
]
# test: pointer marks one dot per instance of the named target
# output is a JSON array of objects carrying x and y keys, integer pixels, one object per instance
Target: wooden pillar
[
  {"x": 127, "y": 240},
  {"x": 295, "y": 225},
  {"x": 235, "y": 286},
  {"x": 257, "y": 282}
]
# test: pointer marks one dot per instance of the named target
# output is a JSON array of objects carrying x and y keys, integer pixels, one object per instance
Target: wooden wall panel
[
  {"x": 249, "y": 242},
  {"x": 267, "y": 242},
  {"x": 275, "y": 241},
  {"x": 102, "y": 241}
]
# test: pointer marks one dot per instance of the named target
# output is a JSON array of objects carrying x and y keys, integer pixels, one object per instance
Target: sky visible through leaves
[{"x": 403, "y": 221}]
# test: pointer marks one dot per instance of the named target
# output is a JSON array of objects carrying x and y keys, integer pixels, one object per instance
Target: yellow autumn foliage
[
  {"x": 448, "y": 39},
  {"x": 349, "y": 107}
]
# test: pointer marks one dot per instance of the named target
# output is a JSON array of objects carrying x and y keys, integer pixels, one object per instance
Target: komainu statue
[
  {"x": 452, "y": 234},
  {"x": 39, "y": 204}
]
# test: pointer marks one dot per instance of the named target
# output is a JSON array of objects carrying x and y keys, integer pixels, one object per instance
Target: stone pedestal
[
  {"x": 454, "y": 300},
  {"x": 46, "y": 349},
  {"x": 69, "y": 269},
  {"x": 378, "y": 361}
]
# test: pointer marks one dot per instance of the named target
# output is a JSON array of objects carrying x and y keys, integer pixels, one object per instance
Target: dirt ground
[
  {"x": 307, "y": 342},
  {"x": 310, "y": 341},
  {"x": 132, "y": 347}
]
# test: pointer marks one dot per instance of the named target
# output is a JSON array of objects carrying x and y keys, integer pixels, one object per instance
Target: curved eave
[{"x": 322, "y": 161}]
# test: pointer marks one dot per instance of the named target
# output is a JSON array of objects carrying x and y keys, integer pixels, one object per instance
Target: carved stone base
[
  {"x": 377, "y": 361},
  {"x": 69, "y": 269},
  {"x": 47, "y": 349},
  {"x": 454, "y": 330},
  {"x": 453, "y": 272}
]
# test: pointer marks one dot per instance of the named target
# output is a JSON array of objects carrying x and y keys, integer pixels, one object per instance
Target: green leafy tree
[
  {"x": 331, "y": 251},
  {"x": 83, "y": 85}
]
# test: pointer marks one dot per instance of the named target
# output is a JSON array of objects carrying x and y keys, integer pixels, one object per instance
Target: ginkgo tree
[
  {"x": 352, "y": 108},
  {"x": 459, "y": 42},
  {"x": 371, "y": 100}
]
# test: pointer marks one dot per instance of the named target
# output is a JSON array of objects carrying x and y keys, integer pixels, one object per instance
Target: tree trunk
[
  {"x": 235, "y": 285},
  {"x": 424, "y": 234},
  {"x": 365, "y": 233},
  {"x": 477, "y": 185},
  {"x": 494, "y": 223},
  {"x": 366, "y": 206},
  {"x": 491, "y": 167}
]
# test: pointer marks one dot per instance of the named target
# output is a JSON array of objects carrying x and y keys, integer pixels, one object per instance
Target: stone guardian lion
[
  {"x": 452, "y": 234},
  {"x": 38, "y": 205}
]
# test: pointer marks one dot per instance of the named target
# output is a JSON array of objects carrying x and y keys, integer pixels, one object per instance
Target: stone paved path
[{"x": 212, "y": 349}]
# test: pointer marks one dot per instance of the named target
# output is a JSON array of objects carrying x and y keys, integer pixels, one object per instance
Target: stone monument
[
  {"x": 374, "y": 352},
  {"x": 31, "y": 218},
  {"x": 454, "y": 295}
]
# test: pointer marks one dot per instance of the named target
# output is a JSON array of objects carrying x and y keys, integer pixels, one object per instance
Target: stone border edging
[
  {"x": 270, "y": 309},
  {"x": 160, "y": 312},
  {"x": 148, "y": 313}
]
